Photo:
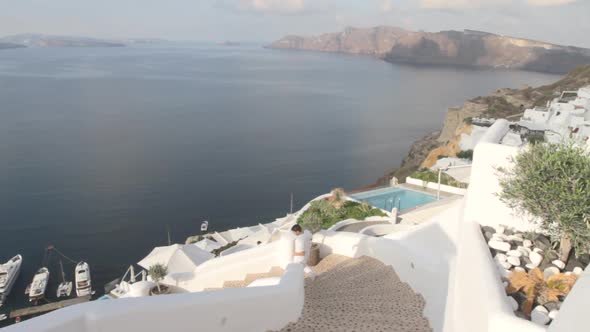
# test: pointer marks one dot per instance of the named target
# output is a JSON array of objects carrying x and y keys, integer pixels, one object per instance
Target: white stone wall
[
  {"x": 434, "y": 186},
  {"x": 483, "y": 204},
  {"x": 244, "y": 309}
]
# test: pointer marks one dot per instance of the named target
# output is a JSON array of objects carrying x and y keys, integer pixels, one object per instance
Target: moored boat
[
  {"x": 65, "y": 287},
  {"x": 204, "y": 226},
  {"x": 83, "y": 282},
  {"x": 39, "y": 285},
  {"x": 9, "y": 272}
]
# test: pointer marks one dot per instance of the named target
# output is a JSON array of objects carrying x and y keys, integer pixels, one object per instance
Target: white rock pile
[{"x": 518, "y": 251}]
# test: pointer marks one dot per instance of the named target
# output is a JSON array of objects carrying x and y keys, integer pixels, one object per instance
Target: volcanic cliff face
[{"x": 455, "y": 48}]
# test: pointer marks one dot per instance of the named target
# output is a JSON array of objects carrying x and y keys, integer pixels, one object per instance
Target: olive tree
[
  {"x": 551, "y": 184},
  {"x": 158, "y": 272}
]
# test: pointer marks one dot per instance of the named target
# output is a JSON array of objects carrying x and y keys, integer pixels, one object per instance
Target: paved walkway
[{"x": 360, "y": 295}]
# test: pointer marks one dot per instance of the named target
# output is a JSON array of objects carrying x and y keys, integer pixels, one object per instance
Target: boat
[
  {"x": 8, "y": 274},
  {"x": 39, "y": 285},
  {"x": 83, "y": 282},
  {"x": 3, "y": 317},
  {"x": 204, "y": 226},
  {"x": 65, "y": 287}
]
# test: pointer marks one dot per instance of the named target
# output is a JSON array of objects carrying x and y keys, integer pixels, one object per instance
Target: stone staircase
[
  {"x": 359, "y": 294},
  {"x": 275, "y": 271}
]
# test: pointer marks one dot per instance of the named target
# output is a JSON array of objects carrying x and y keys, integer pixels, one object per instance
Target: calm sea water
[{"x": 101, "y": 149}]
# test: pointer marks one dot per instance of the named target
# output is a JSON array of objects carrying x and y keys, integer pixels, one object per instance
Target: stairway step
[
  {"x": 359, "y": 294},
  {"x": 234, "y": 284}
]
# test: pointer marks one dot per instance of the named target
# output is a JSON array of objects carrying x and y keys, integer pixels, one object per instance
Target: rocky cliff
[
  {"x": 452, "y": 48},
  {"x": 502, "y": 103}
]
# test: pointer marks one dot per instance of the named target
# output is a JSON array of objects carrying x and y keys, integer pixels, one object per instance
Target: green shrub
[
  {"x": 465, "y": 154},
  {"x": 323, "y": 215},
  {"x": 551, "y": 183},
  {"x": 430, "y": 176}
]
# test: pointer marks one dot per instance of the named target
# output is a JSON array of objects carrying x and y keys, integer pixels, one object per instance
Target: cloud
[
  {"x": 268, "y": 6},
  {"x": 549, "y": 2},
  {"x": 462, "y": 4},
  {"x": 386, "y": 6}
]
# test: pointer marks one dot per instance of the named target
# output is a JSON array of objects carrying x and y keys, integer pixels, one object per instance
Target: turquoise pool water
[{"x": 388, "y": 198}]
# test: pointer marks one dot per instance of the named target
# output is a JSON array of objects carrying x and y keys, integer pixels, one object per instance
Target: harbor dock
[{"x": 48, "y": 307}]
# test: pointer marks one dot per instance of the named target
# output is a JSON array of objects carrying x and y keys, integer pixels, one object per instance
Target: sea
[{"x": 106, "y": 151}]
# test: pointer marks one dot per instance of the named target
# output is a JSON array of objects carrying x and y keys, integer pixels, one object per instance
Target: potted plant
[{"x": 157, "y": 272}]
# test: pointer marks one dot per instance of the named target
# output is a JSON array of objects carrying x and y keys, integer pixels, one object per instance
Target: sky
[{"x": 558, "y": 21}]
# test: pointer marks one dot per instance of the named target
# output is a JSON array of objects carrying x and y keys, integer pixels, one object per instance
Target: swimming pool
[{"x": 388, "y": 198}]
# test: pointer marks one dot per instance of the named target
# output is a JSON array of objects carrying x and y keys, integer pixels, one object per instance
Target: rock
[
  {"x": 577, "y": 271},
  {"x": 530, "y": 266},
  {"x": 542, "y": 242},
  {"x": 551, "y": 305},
  {"x": 499, "y": 237},
  {"x": 516, "y": 238},
  {"x": 553, "y": 314},
  {"x": 519, "y": 269},
  {"x": 537, "y": 250},
  {"x": 500, "y": 258},
  {"x": 505, "y": 284},
  {"x": 524, "y": 251},
  {"x": 584, "y": 259},
  {"x": 505, "y": 273},
  {"x": 504, "y": 265},
  {"x": 500, "y": 229},
  {"x": 488, "y": 229},
  {"x": 527, "y": 243},
  {"x": 514, "y": 261},
  {"x": 573, "y": 262},
  {"x": 552, "y": 270},
  {"x": 513, "y": 303},
  {"x": 488, "y": 236},
  {"x": 551, "y": 255},
  {"x": 514, "y": 253},
  {"x": 540, "y": 315},
  {"x": 500, "y": 246},
  {"x": 508, "y": 231},
  {"x": 524, "y": 260},
  {"x": 560, "y": 265},
  {"x": 535, "y": 258},
  {"x": 520, "y": 297}
]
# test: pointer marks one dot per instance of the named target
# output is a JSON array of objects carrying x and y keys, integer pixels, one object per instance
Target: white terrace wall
[
  {"x": 260, "y": 259},
  {"x": 483, "y": 204},
  {"x": 434, "y": 186},
  {"x": 253, "y": 309}
]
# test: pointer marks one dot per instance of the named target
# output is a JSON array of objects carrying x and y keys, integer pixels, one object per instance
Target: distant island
[
  {"x": 452, "y": 48},
  {"x": 9, "y": 45},
  {"x": 40, "y": 40}
]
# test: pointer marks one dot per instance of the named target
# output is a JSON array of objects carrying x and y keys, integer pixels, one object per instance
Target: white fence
[
  {"x": 434, "y": 186},
  {"x": 243, "y": 309}
]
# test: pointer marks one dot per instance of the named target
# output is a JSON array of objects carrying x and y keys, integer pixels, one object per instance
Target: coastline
[{"x": 504, "y": 103}]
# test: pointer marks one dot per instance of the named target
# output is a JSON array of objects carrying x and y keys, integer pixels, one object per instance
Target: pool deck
[{"x": 414, "y": 216}]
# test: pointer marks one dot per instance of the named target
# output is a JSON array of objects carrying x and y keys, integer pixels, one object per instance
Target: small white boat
[
  {"x": 65, "y": 287},
  {"x": 3, "y": 317},
  {"x": 39, "y": 285},
  {"x": 83, "y": 282},
  {"x": 204, "y": 226},
  {"x": 8, "y": 274}
]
